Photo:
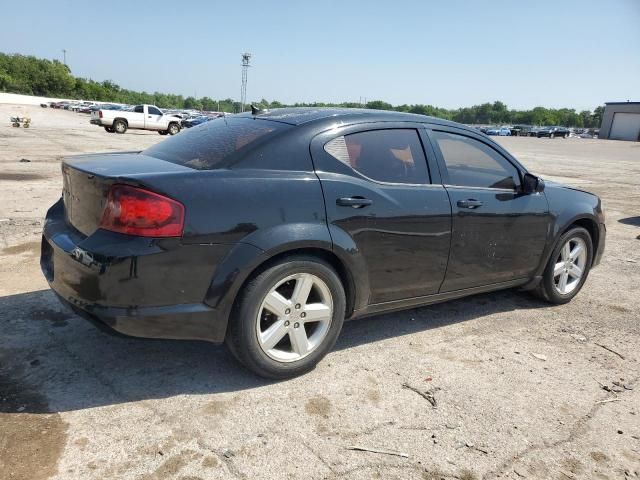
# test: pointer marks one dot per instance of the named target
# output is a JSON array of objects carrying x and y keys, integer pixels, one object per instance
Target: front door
[
  {"x": 153, "y": 120},
  {"x": 378, "y": 191},
  {"x": 137, "y": 119},
  {"x": 498, "y": 232}
]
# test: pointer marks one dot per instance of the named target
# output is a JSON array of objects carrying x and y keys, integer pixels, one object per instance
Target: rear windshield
[{"x": 217, "y": 143}]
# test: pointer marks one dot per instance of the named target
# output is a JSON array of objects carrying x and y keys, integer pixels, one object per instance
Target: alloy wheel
[
  {"x": 295, "y": 317},
  {"x": 570, "y": 265}
]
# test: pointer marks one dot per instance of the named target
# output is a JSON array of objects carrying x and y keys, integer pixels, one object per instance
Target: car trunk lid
[{"x": 87, "y": 179}]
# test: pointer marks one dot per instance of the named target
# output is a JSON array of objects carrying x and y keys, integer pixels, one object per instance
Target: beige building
[{"x": 621, "y": 121}]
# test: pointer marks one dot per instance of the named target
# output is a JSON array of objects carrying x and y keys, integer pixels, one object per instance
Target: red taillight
[
  {"x": 100, "y": 113},
  {"x": 136, "y": 211}
]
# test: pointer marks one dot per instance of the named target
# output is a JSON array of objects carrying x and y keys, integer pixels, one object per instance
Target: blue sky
[{"x": 450, "y": 53}]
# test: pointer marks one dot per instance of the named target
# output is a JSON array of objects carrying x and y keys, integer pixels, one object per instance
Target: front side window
[
  {"x": 390, "y": 156},
  {"x": 154, "y": 111},
  {"x": 471, "y": 163}
]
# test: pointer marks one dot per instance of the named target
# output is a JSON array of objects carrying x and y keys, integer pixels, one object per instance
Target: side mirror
[{"x": 532, "y": 184}]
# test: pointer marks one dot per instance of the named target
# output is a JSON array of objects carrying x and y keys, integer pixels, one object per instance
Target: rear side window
[
  {"x": 217, "y": 143},
  {"x": 390, "y": 156},
  {"x": 471, "y": 163}
]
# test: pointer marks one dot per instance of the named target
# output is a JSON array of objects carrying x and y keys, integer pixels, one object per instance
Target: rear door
[
  {"x": 378, "y": 190},
  {"x": 153, "y": 119},
  {"x": 499, "y": 233}
]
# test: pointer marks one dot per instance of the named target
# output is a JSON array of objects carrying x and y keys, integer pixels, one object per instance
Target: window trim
[
  {"x": 444, "y": 171},
  {"x": 362, "y": 128}
]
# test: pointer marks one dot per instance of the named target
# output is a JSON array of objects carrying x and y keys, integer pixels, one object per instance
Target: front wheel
[
  {"x": 174, "y": 128},
  {"x": 568, "y": 267},
  {"x": 287, "y": 318}
]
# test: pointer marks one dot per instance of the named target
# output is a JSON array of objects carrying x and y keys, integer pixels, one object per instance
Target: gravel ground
[{"x": 522, "y": 389}]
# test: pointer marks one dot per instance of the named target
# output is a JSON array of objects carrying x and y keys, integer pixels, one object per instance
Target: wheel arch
[
  {"x": 245, "y": 261},
  {"x": 120, "y": 118},
  {"x": 262, "y": 248},
  {"x": 591, "y": 226},
  {"x": 321, "y": 253},
  {"x": 585, "y": 221}
]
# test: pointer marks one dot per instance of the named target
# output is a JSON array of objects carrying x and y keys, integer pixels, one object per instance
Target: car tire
[
  {"x": 174, "y": 129},
  {"x": 119, "y": 126},
  {"x": 108, "y": 129},
  {"x": 282, "y": 344},
  {"x": 162, "y": 132},
  {"x": 553, "y": 288}
]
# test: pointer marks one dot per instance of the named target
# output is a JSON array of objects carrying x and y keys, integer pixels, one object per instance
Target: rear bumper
[
  {"x": 135, "y": 286},
  {"x": 179, "y": 322}
]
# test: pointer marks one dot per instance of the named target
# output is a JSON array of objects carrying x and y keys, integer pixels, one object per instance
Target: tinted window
[
  {"x": 471, "y": 163},
  {"x": 138, "y": 109},
  {"x": 216, "y": 144},
  {"x": 154, "y": 111},
  {"x": 394, "y": 156}
]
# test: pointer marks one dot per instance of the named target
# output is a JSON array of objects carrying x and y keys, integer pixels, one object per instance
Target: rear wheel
[
  {"x": 173, "y": 128},
  {"x": 287, "y": 318},
  {"x": 568, "y": 267},
  {"x": 120, "y": 126}
]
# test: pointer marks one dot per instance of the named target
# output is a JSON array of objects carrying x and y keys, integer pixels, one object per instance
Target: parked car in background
[
  {"x": 86, "y": 108},
  {"x": 586, "y": 133},
  {"x": 520, "y": 130},
  {"x": 106, "y": 106},
  {"x": 140, "y": 117},
  {"x": 500, "y": 131},
  {"x": 267, "y": 230},
  {"x": 553, "y": 132},
  {"x": 192, "y": 122}
]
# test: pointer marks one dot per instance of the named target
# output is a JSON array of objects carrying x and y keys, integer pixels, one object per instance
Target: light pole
[
  {"x": 246, "y": 57},
  {"x": 64, "y": 56}
]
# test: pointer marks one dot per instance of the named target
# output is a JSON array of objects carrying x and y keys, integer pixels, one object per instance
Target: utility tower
[
  {"x": 64, "y": 58},
  {"x": 246, "y": 57}
]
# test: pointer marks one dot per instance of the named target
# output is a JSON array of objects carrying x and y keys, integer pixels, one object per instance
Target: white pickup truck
[{"x": 140, "y": 117}]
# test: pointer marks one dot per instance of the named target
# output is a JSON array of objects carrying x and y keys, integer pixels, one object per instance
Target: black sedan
[
  {"x": 553, "y": 132},
  {"x": 267, "y": 230}
]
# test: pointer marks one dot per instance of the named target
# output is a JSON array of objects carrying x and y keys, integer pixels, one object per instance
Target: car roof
[{"x": 305, "y": 115}]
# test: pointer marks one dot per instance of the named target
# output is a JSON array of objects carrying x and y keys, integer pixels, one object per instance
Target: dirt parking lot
[{"x": 522, "y": 389}]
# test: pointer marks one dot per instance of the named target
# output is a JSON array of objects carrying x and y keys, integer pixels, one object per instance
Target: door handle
[
  {"x": 355, "y": 202},
  {"x": 469, "y": 203}
]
